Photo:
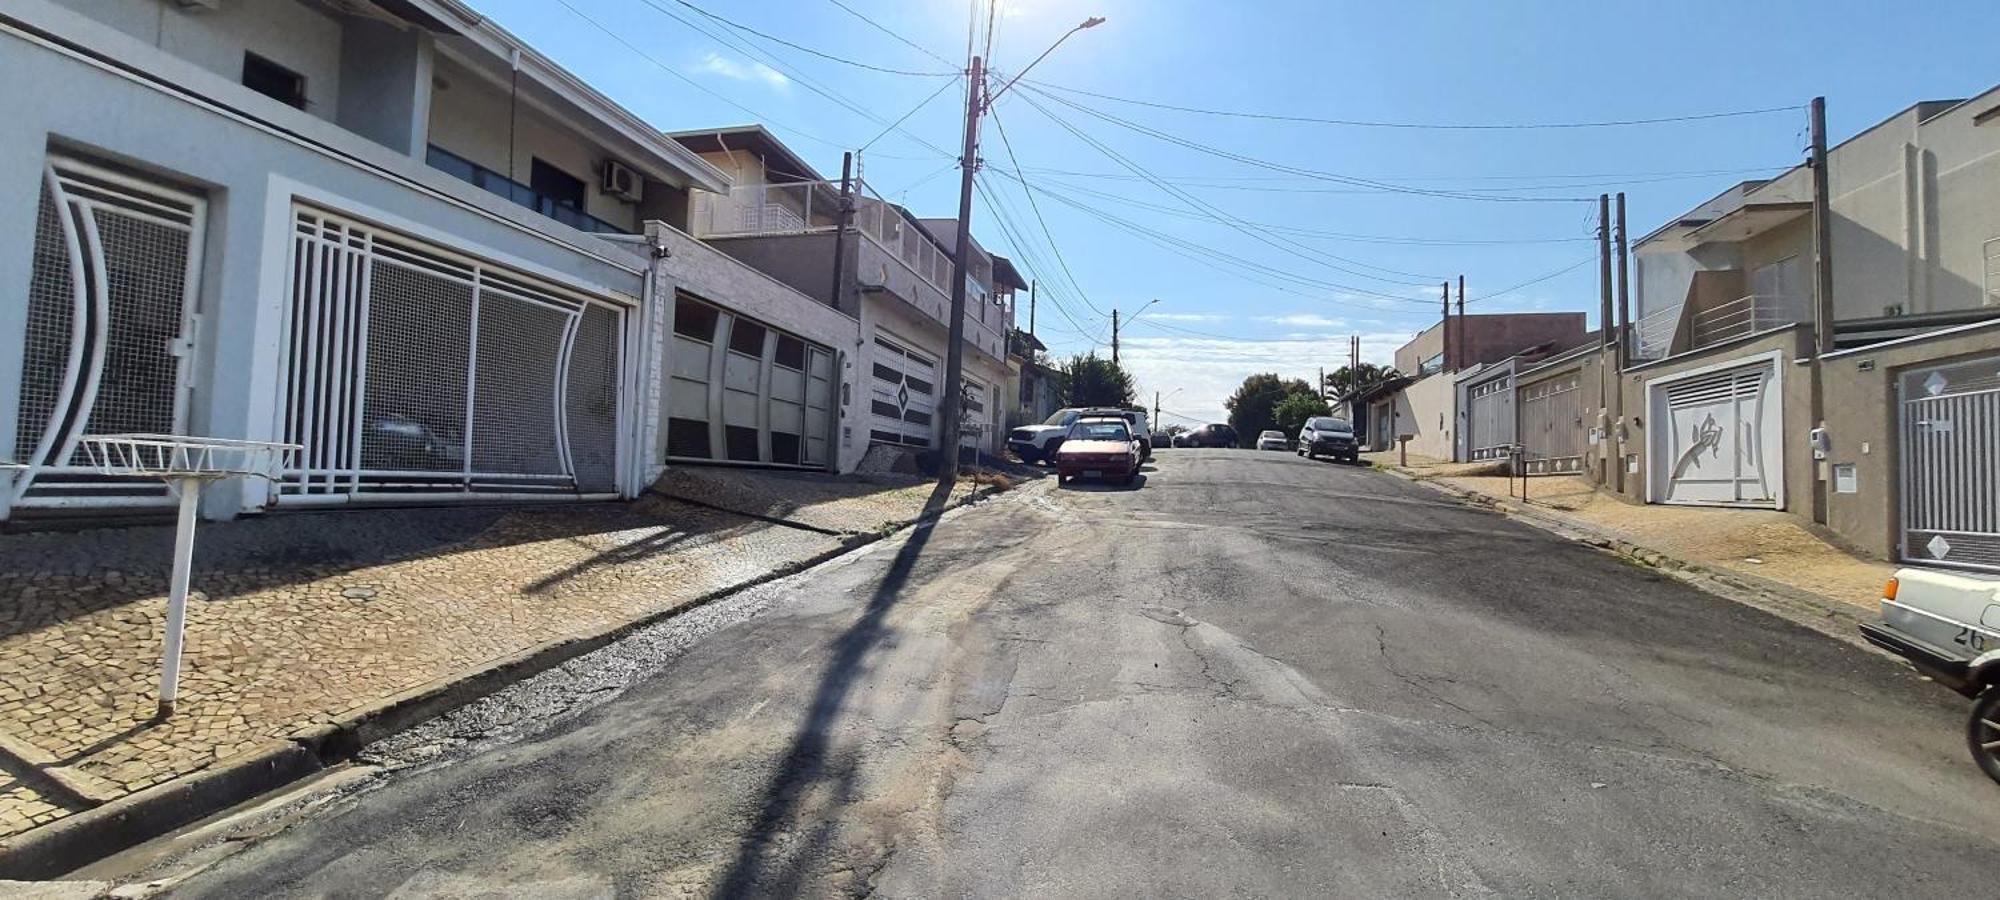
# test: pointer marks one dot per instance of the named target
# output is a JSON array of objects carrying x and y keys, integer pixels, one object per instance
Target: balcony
[
  {"x": 500, "y": 185},
  {"x": 808, "y": 207},
  {"x": 1686, "y": 328}
]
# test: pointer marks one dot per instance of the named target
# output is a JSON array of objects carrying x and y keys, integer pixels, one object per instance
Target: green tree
[
  {"x": 1291, "y": 413},
  {"x": 1090, "y": 380},
  {"x": 1347, "y": 381},
  {"x": 1251, "y": 407}
]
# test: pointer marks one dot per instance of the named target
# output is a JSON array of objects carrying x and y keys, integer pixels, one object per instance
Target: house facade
[
  {"x": 391, "y": 234},
  {"x": 1429, "y": 404},
  {"x": 1726, "y": 396},
  {"x": 887, "y": 269}
]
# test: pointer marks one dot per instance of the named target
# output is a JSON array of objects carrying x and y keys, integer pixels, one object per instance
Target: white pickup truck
[{"x": 1947, "y": 624}]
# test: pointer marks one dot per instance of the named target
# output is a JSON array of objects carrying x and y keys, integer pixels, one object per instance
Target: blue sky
[{"x": 1318, "y": 255}]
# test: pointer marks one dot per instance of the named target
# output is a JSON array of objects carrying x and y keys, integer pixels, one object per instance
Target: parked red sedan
[{"x": 1098, "y": 447}]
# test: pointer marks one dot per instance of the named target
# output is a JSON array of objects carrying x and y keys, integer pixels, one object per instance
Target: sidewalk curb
[
  {"x": 1830, "y": 617},
  {"x": 89, "y": 835}
]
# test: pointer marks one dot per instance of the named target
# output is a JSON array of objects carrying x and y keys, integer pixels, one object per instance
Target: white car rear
[{"x": 1273, "y": 440}]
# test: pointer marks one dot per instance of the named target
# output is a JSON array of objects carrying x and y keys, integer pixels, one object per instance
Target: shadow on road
[{"x": 807, "y": 767}]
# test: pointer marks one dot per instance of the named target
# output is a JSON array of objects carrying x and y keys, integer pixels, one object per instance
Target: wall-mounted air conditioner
[{"x": 621, "y": 181}]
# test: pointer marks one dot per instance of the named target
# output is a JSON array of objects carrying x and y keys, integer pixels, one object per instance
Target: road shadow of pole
[{"x": 806, "y": 763}]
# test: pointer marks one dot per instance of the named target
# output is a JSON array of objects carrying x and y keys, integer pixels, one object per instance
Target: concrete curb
[
  {"x": 75, "y": 841},
  {"x": 1833, "y": 618}
]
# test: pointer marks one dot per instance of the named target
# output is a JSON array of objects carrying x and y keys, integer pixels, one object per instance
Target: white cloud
[
  {"x": 1189, "y": 317},
  {"x": 716, "y": 64},
  {"x": 1305, "y": 320}
]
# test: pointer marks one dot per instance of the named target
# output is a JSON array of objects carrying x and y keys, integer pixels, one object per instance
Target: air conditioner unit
[{"x": 622, "y": 182}]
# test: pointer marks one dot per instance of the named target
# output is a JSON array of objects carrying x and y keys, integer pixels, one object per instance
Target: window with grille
[
  {"x": 413, "y": 369},
  {"x": 110, "y": 324}
]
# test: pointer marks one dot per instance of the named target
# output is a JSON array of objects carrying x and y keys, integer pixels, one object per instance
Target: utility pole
[
  {"x": 1822, "y": 293},
  {"x": 1618, "y": 359},
  {"x": 954, "y": 356},
  {"x": 1114, "y": 335},
  {"x": 1461, "y": 321},
  {"x": 846, "y": 219},
  {"x": 1604, "y": 385},
  {"x": 1444, "y": 337},
  {"x": 1624, "y": 292},
  {"x": 1031, "y": 306},
  {"x": 1155, "y": 422}
]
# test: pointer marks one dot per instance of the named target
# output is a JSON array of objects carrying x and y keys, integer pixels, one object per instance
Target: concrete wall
[
  {"x": 287, "y": 32},
  {"x": 250, "y": 175},
  {"x": 1429, "y": 415},
  {"x": 1489, "y": 338}
]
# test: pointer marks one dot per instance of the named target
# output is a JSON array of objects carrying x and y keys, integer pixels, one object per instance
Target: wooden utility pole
[
  {"x": 1822, "y": 294},
  {"x": 840, "y": 232},
  {"x": 1617, "y": 361},
  {"x": 1031, "y": 306},
  {"x": 1605, "y": 385},
  {"x": 954, "y": 356},
  {"x": 1624, "y": 294},
  {"x": 1114, "y": 335}
]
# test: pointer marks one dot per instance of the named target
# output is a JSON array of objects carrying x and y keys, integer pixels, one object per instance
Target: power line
[
  {"x": 1283, "y": 167},
  {"x": 892, "y": 33},
  {"x": 1235, "y": 223},
  {"x": 1030, "y": 259},
  {"x": 1690, "y": 173},
  {"x": 1539, "y": 279},
  {"x": 1209, "y": 184},
  {"x": 1044, "y": 223},
  {"x": 808, "y": 50},
  {"x": 1446, "y": 126},
  {"x": 906, "y": 116}
]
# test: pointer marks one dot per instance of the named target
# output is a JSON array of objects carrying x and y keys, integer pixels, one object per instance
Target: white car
[
  {"x": 1947, "y": 624},
  {"x": 1273, "y": 440}
]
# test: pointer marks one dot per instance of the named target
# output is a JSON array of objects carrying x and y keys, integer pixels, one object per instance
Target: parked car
[
  {"x": 1216, "y": 435},
  {"x": 1328, "y": 436},
  {"x": 1273, "y": 440},
  {"x": 1099, "y": 447},
  {"x": 1947, "y": 624},
  {"x": 1163, "y": 439},
  {"x": 1038, "y": 443}
]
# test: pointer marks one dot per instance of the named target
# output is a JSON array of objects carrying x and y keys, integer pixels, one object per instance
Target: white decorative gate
[
  {"x": 1951, "y": 464},
  {"x": 416, "y": 370},
  {"x": 1552, "y": 436},
  {"x": 1489, "y": 418},
  {"x": 903, "y": 402},
  {"x": 1716, "y": 437},
  {"x": 111, "y": 324}
]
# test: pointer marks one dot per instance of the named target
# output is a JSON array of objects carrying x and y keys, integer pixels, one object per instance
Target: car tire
[
  {"x": 1129, "y": 478},
  {"x": 1983, "y": 730},
  {"x": 1062, "y": 479}
]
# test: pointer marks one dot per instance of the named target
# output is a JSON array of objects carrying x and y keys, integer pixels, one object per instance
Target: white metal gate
[
  {"x": 1716, "y": 437},
  {"x": 1489, "y": 419},
  {"x": 903, "y": 402},
  {"x": 111, "y": 324},
  {"x": 412, "y": 369},
  {"x": 1551, "y": 425},
  {"x": 1951, "y": 464}
]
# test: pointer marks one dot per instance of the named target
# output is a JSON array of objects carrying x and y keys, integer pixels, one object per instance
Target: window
[
  {"x": 555, "y": 185},
  {"x": 747, "y": 338},
  {"x": 695, "y": 320},
  {"x": 791, "y": 352},
  {"x": 274, "y": 81},
  {"x": 1431, "y": 366}
]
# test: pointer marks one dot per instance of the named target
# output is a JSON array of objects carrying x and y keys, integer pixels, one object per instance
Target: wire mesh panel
[
  {"x": 593, "y": 398},
  {"x": 110, "y": 322},
  {"x": 414, "y": 369}
]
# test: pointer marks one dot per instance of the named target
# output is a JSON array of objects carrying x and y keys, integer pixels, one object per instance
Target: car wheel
[
  {"x": 1983, "y": 732},
  {"x": 1061, "y": 478}
]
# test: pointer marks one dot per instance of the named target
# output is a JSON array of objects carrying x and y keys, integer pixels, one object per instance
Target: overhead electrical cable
[{"x": 731, "y": 23}]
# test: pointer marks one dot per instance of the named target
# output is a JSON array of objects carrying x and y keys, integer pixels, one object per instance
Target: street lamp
[
  {"x": 968, "y": 164},
  {"x": 1114, "y": 326}
]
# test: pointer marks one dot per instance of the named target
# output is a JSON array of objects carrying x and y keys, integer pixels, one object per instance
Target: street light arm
[{"x": 1091, "y": 22}]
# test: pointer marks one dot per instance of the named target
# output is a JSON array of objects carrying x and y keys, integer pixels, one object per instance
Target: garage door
[
  {"x": 1552, "y": 435},
  {"x": 413, "y": 369},
  {"x": 742, "y": 391},
  {"x": 903, "y": 395},
  {"x": 1489, "y": 420},
  {"x": 1716, "y": 438}
]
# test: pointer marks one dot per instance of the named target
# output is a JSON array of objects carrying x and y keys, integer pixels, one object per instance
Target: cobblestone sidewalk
[{"x": 298, "y": 618}]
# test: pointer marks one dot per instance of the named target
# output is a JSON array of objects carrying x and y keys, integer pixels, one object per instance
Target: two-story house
[
  {"x": 387, "y": 232},
  {"x": 1726, "y": 398},
  {"x": 887, "y": 268}
]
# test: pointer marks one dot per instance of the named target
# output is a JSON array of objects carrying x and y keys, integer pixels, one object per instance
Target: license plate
[{"x": 1093, "y": 473}]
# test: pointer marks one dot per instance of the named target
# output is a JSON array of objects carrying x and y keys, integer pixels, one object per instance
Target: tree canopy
[
  {"x": 1291, "y": 413},
  {"x": 1347, "y": 381},
  {"x": 1252, "y": 407},
  {"x": 1090, "y": 380}
]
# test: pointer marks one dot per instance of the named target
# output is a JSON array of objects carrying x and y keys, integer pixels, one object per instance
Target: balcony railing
[
  {"x": 1740, "y": 317},
  {"x": 811, "y": 206}
]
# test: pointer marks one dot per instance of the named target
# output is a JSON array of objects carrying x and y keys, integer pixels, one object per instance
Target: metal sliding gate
[
  {"x": 1951, "y": 464},
  {"x": 110, "y": 328},
  {"x": 415, "y": 370},
  {"x": 1489, "y": 419},
  {"x": 1551, "y": 425}
]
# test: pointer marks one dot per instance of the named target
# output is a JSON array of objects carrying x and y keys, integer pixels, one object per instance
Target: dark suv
[{"x": 1216, "y": 435}]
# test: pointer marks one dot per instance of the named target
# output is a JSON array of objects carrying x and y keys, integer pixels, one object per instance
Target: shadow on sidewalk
[{"x": 806, "y": 766}]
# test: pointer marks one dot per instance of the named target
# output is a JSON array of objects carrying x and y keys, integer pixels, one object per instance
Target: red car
[{"x": 1098, "y": 447}]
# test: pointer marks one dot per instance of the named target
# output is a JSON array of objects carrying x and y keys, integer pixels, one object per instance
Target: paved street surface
[{"x": 1252, "y": 676}]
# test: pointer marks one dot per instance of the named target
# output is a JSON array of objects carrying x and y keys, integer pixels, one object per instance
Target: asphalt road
[{"x": 1250, "y": 676}]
